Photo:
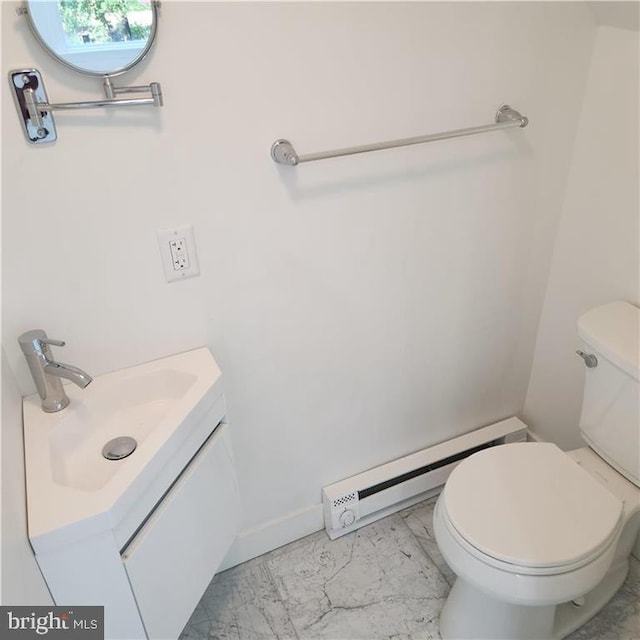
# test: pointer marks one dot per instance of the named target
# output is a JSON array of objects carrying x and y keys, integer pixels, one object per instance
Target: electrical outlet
[{"x": 178, "y": 252}]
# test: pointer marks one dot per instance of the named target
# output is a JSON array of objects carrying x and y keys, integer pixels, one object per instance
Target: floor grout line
[
  {"x": 427, "y": 554},
  {"x": 424, "y": 551},
  {"x": 279, "y": 594}
]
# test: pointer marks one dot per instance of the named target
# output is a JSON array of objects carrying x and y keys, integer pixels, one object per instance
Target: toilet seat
[
  {"x": 521, "y": 570},
  {"x": 528, "y": 508}
]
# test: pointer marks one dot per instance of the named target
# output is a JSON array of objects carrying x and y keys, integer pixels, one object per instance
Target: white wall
[
  {"x": 360, "y": 308},
  {"x": 596, "y": 258},
  {"x": 22, "y": 581},
  {"x": 612, "y": 13}
]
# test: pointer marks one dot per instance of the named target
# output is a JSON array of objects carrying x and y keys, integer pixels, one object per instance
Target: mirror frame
[{"x": 96, "y": 74}]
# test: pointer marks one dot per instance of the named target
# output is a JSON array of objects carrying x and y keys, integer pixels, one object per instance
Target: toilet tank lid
[{"x": 613, "y": 330}]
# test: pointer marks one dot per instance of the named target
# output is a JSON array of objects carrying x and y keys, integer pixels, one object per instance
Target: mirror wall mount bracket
[
  {"x": 35, "y": 110},
  {"x": 28, "y": 92}
]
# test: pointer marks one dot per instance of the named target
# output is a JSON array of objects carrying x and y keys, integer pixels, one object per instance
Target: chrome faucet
[{"x": 47, "y": 372}]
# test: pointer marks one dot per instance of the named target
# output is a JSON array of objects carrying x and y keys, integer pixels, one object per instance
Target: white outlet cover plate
[{"x": 165, "y": 237}]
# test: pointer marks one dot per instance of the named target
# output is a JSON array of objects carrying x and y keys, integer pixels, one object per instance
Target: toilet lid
[{"x": 530, "y": 504}]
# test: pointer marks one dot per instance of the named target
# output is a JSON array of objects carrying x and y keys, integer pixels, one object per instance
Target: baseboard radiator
[{"x": 376, "y": 493}]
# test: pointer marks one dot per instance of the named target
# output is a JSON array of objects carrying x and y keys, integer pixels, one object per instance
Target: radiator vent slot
[{"x": 369, "y": 491}]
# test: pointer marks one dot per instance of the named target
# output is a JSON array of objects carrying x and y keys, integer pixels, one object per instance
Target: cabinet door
[{"x": 178, "y": 550}]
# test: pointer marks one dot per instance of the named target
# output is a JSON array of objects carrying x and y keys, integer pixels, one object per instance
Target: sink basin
[
  {"x": 165, "y": 405},
  {"x": 112, "y": 407}
]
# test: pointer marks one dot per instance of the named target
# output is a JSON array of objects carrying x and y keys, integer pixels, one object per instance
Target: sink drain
[{"x": 119, "y": 448}]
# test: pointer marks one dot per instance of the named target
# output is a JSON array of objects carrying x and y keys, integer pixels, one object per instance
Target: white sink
[
  {"x": 111, "y": 407},
  {"x": 72, "y": 490}
]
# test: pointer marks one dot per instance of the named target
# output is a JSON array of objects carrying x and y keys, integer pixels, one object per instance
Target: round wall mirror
[{"x": 95, "y": 37}]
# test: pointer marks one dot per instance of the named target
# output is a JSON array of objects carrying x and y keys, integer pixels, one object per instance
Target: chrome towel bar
[{"x": 282, "y": 151}]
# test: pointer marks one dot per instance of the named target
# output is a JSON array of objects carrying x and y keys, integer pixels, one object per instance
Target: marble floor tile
[
  {"x": 419, "y": 519},
  {"x": 620, "y": 618},
  {"x": 241, "y": 604},
  {"x": 373, "y": 583},
  {"x": 384, "y": 581},
  {"x": 197, "y": 631}
]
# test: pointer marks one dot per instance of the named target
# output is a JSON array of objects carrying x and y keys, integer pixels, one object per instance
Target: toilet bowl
[
  {"x": 547, "y": 535},
  {"x": 540, "y": 539},
  {"x": 536, "y": 527}
]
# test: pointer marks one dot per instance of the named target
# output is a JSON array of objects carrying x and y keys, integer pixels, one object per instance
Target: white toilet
[{"x": 540, "y": 539}]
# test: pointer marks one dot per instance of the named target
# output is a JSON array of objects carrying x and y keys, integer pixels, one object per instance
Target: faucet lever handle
[{"x": 52, "y": 342}]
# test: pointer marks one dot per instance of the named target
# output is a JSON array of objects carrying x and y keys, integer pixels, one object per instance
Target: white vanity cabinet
[
  {"x": 152, "y": 587},
  {"x": 173, "y": 557},
  {"x": 144, "y": 535}
]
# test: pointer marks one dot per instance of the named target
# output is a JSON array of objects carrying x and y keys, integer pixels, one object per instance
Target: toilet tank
[{"x": 610, "y": 417}]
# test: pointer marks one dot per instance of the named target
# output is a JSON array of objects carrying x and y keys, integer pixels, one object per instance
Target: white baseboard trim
[
  {"x": 251, "y": 543},
  {"x": 532, "y": 436}
]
